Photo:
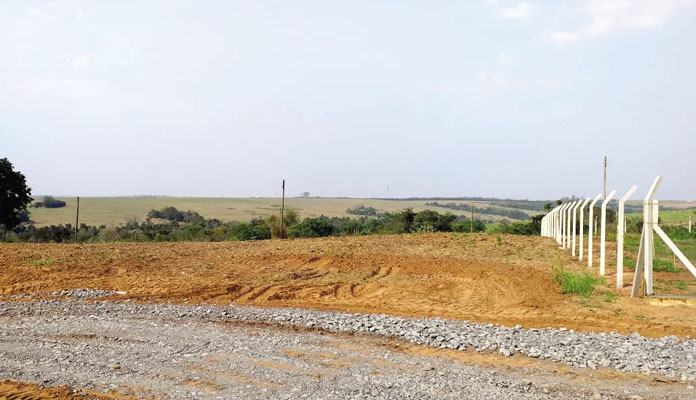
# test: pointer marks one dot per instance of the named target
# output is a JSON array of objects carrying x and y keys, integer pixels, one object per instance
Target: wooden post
[
  {"x": 77, "y": 218},
  {"x": 605, "y": 178},
  {"x": 472, "y": 218},
  {"x": 282, "y": 210}
]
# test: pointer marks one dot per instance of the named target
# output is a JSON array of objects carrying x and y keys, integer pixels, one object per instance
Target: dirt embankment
[{"x": 472, "y": 277}]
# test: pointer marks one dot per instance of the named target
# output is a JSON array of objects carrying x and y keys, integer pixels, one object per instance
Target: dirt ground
[
  {"x": 473, "y": 277},
  {"x": 10, "y": 390}
]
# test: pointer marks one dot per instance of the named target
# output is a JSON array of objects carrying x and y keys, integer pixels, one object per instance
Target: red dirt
[{"x": 470, "y": 277}]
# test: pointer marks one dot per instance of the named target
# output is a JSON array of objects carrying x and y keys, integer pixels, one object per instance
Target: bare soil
[{"x": 472, "y": 277}]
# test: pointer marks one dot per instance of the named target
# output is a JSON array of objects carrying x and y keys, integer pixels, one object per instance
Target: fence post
[
  {"x": 582, "y": 225},
  {"x": 575, "y": 211},
  {"x": 567, "y": 239},
  {"x": 603, "y": 234},
  {"x": 560, "y": 224},
  {"x": 621, "y": 229},
  {"x": 648, "y": 221},
  {"x": 589, "y": 229}
]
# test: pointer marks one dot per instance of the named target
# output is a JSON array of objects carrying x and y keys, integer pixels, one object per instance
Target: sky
[{"x": 349, "y": 98}]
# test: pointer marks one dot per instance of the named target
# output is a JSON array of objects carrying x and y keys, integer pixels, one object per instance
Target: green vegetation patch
[
  {"x": 42, "y": 262},
  {"x": 580, "y": 284}
]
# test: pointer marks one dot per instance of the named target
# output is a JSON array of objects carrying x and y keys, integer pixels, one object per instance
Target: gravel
[
  {"x": 82, "y": 294},
  {"x": 668, "y": 356},
  {"x": 208, "y": 352}
]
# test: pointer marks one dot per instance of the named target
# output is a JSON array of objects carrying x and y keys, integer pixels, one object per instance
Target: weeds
[
  {"x": 664, "y": 266},
  {"x": 581, "y": 284},
  {"x": 609, "y": 297},
  {"x": 43, "y": 262}
]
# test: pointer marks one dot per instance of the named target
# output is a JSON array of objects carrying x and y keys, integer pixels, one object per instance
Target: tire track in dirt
[{"x": 468, "y": 277}]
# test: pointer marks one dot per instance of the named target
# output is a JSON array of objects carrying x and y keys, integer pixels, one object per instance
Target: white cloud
[
  {"x": 520, "y": 11},
  {"x": 82, "y": 61},
  {"x": 563, "y": 38},
  {"x": 607, "y": 16},
  {"x": 503, "y": 58}
]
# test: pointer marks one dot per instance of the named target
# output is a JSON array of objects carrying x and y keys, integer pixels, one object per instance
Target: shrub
[
  {"x": 50, "y": 202},
  {"x": 465, "y": 226},
  {"x": 362, "y": 210}
]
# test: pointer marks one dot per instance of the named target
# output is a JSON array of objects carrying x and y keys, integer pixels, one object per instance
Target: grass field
[{"x": 113, "y": 211}]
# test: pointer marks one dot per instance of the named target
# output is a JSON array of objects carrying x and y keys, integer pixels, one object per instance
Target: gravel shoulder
[{"x": 178, "y": 351}]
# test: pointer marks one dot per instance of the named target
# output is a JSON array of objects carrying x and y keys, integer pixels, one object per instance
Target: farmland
[{"x": 113, "y": 211}]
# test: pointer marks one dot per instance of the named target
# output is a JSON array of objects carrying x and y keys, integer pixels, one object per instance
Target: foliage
[
  {"x": 515, "y": 214},
  {"x": 15, "y": 195},
  {"x": 360, "y": 209},
  {"x": 49, "y": 202},
  {"x": 465, "y": 226}
]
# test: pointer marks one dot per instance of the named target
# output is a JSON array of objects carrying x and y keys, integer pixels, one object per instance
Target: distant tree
[
  {"x": 305, "y": 195},
  {"x": 360, "y": 209},
  {"x": 15, "y": 195},
  {"x": 50, "y": 202}
]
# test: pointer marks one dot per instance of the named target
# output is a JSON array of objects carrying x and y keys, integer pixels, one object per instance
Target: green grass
[
  {"x": 114, "y": 211},
  {"x": 581, "y": 284},
  {"x": 42, "y": 262},
  {"x": 609, "y": 297},
  {"x": 664, "y": 266}
]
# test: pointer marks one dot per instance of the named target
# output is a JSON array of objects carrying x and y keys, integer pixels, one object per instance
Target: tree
[
  {"x": 305, "y": 195},
  {"x": 15, "y": 196}
]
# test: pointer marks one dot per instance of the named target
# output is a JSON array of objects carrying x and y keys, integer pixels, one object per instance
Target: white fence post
[
  {"x": 570, "y": 209},
  {"x": 582, "y": 225},
  {"x": 603, "y": 234},
  {"x": 620, "y": 237},
  {"x": 589, "y": 229},
  {"x": 648, "y": 222},
  {"x": 575, "y": 225},
  {"x": 562, "y": 227}
]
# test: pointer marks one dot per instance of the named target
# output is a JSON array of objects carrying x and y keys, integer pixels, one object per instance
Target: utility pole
[
  {"x": 472, "y": 217},
  {"x": 77, "y": 218},
  {"x": 605, "y": 178},
  {"x": 282, "y": 209}
]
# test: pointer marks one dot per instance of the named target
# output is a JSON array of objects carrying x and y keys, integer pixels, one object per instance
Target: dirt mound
[{"x": 473, "y": 277}]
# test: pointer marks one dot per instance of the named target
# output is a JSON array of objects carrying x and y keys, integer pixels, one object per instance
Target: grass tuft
[
  {"x": 43, "y": 262},
  {"x": 581, "y": 284}
]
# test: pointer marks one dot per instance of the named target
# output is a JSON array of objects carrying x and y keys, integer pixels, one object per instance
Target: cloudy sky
[{"x": 349, "y": 98}]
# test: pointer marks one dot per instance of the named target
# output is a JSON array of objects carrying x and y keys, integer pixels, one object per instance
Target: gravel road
[{"x": 176, "y": 351}]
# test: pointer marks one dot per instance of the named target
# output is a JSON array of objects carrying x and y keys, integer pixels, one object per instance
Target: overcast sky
[{"x": 349, "y": 98}]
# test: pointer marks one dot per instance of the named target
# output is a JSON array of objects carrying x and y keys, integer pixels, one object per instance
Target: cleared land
[
  {"x": 113, "y": 211},
  {"x": 473, "y": 277}
]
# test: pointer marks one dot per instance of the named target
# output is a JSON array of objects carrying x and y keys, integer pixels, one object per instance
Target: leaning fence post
[
  {"x": 589, "y": 230},
  {"x": 620, "y": 237}
]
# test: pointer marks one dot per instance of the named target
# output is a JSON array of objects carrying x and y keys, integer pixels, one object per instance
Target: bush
[
  {"x": 465, "y": 226},
  {"x": 312, "y": 227},
  {"x": 362, "y": 210},
  {"x": 50, "y": 202}
]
